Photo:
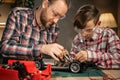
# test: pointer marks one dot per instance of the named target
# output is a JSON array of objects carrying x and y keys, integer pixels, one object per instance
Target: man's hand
[
  {"x": 64, "y": 52},
  {"x": 81, "y": 56},
  {"x": 54, "y": 50}
]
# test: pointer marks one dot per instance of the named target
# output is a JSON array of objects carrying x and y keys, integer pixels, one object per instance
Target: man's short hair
[{"x": 68, "y": 2}]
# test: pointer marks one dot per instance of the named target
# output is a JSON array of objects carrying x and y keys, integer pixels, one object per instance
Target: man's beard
[{"x": 44, "y": 22}]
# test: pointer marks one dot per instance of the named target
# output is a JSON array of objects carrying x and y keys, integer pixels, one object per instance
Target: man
[
  {"x": 92, "y": 43},
  {"x": 32, "y": 33}
]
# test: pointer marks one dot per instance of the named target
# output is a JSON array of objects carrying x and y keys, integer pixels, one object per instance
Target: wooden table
[{"x": 114, "y": 74}]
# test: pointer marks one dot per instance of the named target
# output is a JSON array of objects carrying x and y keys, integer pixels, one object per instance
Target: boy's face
[
  {"x": 89, "y": 29},
  {"x": 52, "y": 13}
]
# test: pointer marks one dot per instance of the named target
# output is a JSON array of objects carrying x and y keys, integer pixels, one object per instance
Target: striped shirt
[
  {"x": 103, "y": 48},
  {"x": 23, "y": 36}
]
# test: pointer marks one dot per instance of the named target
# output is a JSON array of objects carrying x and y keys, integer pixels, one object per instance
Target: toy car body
[{"x": 23, "y": 70}]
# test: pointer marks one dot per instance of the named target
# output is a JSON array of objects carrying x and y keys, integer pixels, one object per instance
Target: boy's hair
[{"x": 85, "y": 14}]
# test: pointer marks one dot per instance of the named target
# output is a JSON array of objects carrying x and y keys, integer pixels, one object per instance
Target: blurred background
[{"x": 67, "y": 32}]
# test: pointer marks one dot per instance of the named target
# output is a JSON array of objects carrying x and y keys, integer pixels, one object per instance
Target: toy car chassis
[{"x": 67, "y": 64}]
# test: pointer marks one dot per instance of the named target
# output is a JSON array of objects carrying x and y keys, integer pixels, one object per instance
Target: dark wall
[
  {"x": 107, "y": 6},
  {"x": 67, "y": 32}
]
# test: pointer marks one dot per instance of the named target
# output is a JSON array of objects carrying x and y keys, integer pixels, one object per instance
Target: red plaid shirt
[
  {"x": 22, "y": 35},
  {"x": 103, "y": 48}
]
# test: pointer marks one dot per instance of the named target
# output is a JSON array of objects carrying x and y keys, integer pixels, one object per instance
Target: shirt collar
[{"x": 98, "y": 32}]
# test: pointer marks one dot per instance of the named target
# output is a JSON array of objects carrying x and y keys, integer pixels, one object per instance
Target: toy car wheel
[
  {"x": 74, "y": 67},
  {"x": 38, "y": 65}
]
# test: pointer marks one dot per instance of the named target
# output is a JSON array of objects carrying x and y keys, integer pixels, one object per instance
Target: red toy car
[{"x": 23, "y": 70}]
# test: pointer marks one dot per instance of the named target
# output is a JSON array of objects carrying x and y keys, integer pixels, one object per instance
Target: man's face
[
  {"x": 52, "y": 13},
  {"x": 88, "y": 31}
]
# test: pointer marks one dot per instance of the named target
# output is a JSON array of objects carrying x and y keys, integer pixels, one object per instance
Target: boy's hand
[{"x": 81, "y": 56}]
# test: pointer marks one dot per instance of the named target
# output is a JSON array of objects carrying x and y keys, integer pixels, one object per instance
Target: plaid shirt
[
  {"x": 103, "y": 48},
  {"x": 22, "y": 35}
]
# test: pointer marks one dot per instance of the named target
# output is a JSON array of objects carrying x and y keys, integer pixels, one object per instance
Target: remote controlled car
[{"x": 66, "y": 63}]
